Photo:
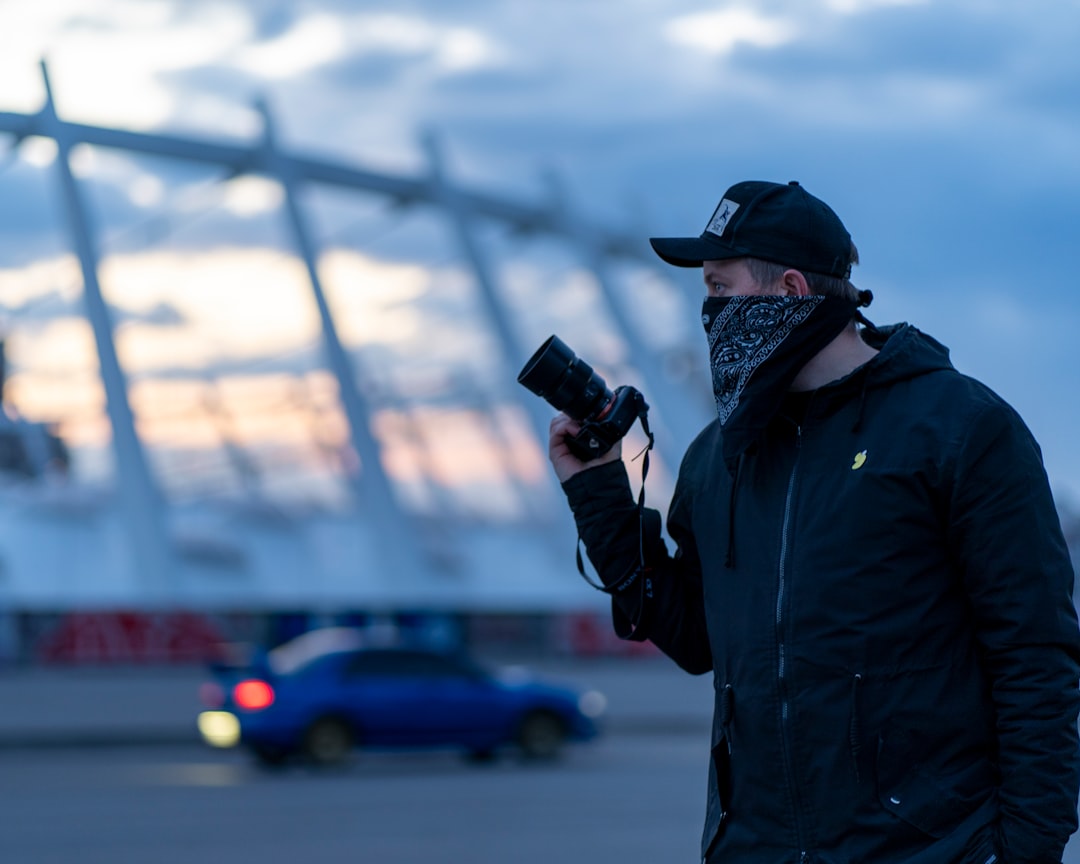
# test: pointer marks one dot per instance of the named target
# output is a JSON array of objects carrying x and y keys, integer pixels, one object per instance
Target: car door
[
  {"x": 386, "y": 694},
  {"x": 463, "y": 705}
]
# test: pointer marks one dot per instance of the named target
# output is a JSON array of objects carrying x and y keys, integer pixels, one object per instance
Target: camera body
[
  {"x": 600, "y": 435},
  {"x": 570, "y": 385}
]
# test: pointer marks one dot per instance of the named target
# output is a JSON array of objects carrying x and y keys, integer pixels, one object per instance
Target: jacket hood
[{"x": 904, "y": 352}]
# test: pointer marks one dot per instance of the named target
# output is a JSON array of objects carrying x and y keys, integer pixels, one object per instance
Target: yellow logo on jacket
[{"x": 860, "y": 460}]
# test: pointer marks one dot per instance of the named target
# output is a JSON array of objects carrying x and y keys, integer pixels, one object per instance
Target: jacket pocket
[
  {"x": 917, "y": 793},
  {"x": 982, "y": 848},
  {"x": 719, "y": 801}
]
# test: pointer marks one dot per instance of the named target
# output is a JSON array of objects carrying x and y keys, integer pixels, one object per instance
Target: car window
[
  {"x": 304, "y": 650},
  {"x": 408, "y": 664}
]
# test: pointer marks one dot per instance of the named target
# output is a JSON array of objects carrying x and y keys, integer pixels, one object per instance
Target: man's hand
[{"x": 566, "y": 464}]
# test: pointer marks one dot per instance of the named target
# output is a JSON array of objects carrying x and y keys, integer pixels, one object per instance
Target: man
[{"x": 868, "y": 560}]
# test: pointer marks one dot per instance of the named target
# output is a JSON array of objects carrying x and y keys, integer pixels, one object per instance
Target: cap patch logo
[{"x": 721, "y": 216}]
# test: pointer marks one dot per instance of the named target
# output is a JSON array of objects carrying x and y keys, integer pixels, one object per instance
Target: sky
[{"x": 944, "y": 134}]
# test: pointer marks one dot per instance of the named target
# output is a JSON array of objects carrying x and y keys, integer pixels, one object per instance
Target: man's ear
[{"x": 793, "y": 284}]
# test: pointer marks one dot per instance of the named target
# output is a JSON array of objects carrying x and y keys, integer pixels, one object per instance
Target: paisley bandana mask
[{"x": 757, "y": 345}]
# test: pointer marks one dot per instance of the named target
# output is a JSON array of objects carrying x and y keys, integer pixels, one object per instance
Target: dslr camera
[{"x": 569, "y": 384}]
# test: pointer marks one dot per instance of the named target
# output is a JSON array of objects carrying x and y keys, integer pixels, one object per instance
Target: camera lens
[{"x": 567, "y": 382}]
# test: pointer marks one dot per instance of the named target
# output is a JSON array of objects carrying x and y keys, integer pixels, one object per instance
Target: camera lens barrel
[{"x": 567, "y": 382}]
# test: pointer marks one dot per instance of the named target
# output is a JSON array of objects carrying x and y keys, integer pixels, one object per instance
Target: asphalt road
[
  {"x": 631, "y": 798},
  {"x": 102, "y": 767},
  {"x": 636, "y": 799}
]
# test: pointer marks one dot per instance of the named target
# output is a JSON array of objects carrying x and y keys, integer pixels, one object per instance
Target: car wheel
[
  {"x": 541, "y": 735},
  {"x": 481, "y": 756},
  {"x": 269, "y": 756},
  {"x": 328, "y": 741}
]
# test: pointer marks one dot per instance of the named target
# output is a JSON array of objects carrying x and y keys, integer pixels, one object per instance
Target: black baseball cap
[{"x": 778, "y": 222}]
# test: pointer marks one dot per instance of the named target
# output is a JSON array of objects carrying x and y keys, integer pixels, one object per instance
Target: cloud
[
  {"x": 249, "y": 195},
  {"x": 105, "y": 58},
  {"x": 720, "y": 31},
  {"x": 853, "y": 7},
  {"x": 46, "y": 309},
  {"x": 311, "y": 42},
  {"x": 323, "y": 38}
]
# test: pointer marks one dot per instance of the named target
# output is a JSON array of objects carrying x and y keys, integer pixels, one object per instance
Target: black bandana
[{"x": 757, "y": 345}]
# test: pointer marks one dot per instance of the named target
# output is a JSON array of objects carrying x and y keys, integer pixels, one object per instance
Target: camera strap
[{"x": 640, "y": 573}]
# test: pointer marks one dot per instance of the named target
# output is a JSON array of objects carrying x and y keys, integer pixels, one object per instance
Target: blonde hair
[{"x": 769, "y": 272}]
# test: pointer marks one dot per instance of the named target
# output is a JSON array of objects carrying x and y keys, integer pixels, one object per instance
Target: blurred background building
[{"x": 401, "y": 476}]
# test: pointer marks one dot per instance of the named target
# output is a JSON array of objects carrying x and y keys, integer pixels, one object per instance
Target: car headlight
[
  {"x": 592, "y": 703},
  {"x": 219, "y": 728}
]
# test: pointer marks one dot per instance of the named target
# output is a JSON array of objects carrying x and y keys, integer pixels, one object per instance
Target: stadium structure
[{"x": 387, "y": 542}]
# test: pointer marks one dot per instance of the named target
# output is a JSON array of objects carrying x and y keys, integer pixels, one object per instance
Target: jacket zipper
[
  {"x": 785, "y": 714},
  {"x": 855, "y": 726}
]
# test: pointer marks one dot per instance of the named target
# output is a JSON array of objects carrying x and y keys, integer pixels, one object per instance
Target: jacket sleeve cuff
[{"x": 597, "y": 492}]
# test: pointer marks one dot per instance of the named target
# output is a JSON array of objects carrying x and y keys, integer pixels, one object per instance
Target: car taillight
[
  {"x": 253, "y": 695},
  {"x": 211, "y": 695}
]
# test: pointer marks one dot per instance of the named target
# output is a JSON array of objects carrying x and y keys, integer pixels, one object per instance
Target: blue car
[{"x": 325, "y": 693}]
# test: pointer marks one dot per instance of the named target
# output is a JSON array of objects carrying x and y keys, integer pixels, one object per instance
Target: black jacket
[{"x": 883, "y": 594}]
